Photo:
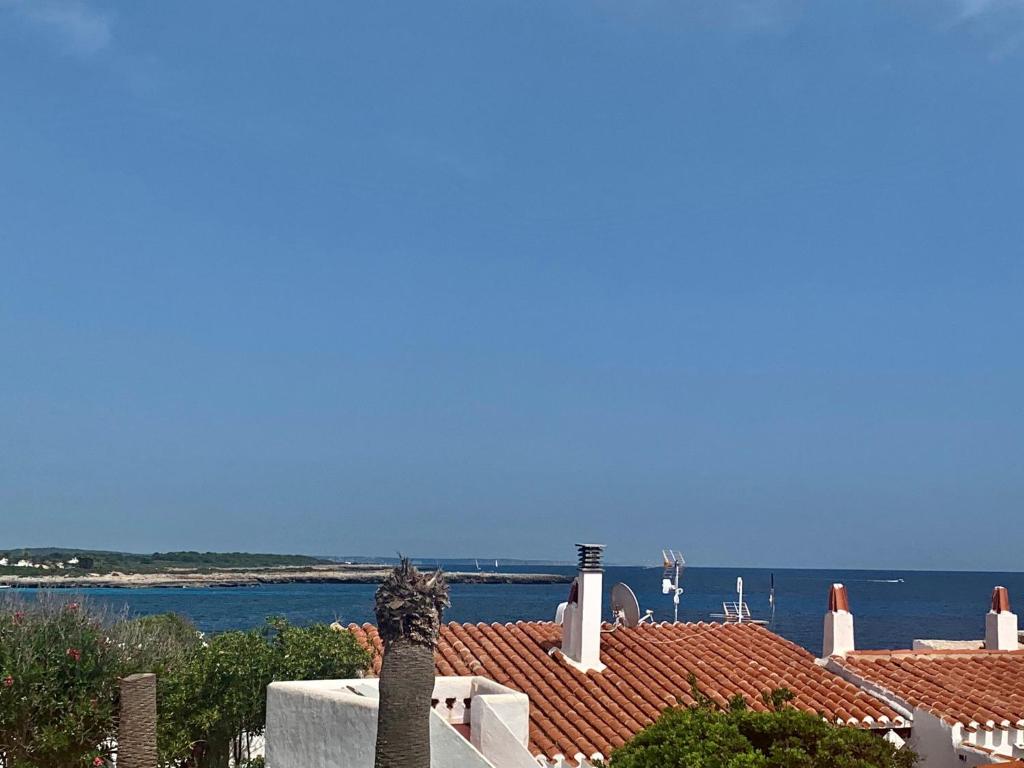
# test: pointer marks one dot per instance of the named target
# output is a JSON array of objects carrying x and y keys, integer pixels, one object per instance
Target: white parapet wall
[{"x": 333, "y": 724}]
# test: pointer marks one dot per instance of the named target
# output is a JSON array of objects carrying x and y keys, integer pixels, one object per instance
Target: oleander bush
[
  {"x": 60, "y": 663},
  {"x": 58, "y": 685}
]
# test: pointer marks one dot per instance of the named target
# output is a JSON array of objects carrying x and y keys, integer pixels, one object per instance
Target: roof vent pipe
[{"x": 590, "y": 556}]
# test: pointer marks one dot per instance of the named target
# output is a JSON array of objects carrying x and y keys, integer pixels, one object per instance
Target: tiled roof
[
  {"x": 647, "y": 670},
  {"x": 979, "y": 689}
]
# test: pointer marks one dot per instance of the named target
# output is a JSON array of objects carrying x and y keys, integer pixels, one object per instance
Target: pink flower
[
  {"x": 97, "y": 760},
  {"x": 18, "y": 616},
  {"x": 74, "y": 654},
  {"x": 72, "y": 607},
  {"x": 8, "y": 681}
]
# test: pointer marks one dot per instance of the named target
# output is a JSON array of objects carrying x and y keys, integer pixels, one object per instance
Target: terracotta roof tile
[
  {"x": 979, "y": 689},
  {"x": 647, "y": 669}
]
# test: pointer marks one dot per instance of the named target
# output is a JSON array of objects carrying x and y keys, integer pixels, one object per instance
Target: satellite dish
[{"x": 625, "y": 606}]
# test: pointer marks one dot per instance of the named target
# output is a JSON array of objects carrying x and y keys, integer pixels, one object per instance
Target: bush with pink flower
[{"x": 58, "y": 686}]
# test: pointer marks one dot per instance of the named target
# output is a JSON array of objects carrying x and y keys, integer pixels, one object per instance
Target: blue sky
[{"x": 489, "y": 278}]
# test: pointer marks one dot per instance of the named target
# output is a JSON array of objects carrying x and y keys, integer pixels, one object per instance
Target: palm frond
[{"x": 410, "y": 604}]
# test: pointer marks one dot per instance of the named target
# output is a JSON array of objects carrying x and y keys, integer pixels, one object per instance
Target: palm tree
[{"x": 409, "y": 605}]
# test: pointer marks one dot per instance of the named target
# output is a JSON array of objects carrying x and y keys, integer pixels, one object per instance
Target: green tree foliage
[
  {"x": 156, "y": 562},
  {"x": 212, "y": 703},
  {"x": 316, "y": 652},
  {"x": 59, "y": 670},
  {"x": 781, "y": 737},
  {"x": 212, "y": 698}
]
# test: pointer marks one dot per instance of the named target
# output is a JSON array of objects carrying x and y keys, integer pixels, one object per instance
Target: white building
[
  {"x": 3, "y": 562},
  {"x": 571, "y": 692},
  {"x": 964, "y": 699},
  {"x": 24, "y": 564}
]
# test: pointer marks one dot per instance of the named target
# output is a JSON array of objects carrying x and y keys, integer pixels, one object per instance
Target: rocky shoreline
[{"x": 251, "y": 578}]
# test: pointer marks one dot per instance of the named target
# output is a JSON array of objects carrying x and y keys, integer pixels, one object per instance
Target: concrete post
[{"x": 136, "y": 730}]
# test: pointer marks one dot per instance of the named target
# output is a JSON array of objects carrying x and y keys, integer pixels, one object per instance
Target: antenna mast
[
  {"x": 739, "y": 590},
  {"x": 674, "y": 564}
]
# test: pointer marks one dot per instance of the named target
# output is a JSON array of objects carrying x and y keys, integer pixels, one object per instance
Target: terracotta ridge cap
[{"x": 924, "y": 653}]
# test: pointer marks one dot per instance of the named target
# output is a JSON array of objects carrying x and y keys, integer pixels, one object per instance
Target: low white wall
[
  {"x": 934, "y": 741},
  {"x": 333, "y": 724},
  {"x": 309, "y": 724},
  {"x": 500, "y": 730}
]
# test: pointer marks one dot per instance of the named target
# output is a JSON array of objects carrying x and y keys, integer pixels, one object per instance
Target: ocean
[{"x": 891, "y": 608}]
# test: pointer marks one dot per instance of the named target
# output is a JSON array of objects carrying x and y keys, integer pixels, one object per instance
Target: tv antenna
[
  {"x": 625, "y": 607},
  {"x": 673, "y": 563},
  {"x": 737, "y": 612}
]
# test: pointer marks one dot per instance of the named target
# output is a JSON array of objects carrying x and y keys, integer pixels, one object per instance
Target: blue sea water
[{"x": 891, "y": 608}]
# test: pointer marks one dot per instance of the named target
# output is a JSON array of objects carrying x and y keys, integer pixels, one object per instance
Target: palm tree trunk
[
  {"x": 406, "y": 688},
  {"x": 409, "y": 606}
]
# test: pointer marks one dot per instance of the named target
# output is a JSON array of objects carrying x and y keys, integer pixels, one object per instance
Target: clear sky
[{"x": 490, "y": 278}]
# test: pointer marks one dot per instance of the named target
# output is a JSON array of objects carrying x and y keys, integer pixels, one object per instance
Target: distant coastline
[
  {"x": 318, "y": 574},
  {"x": 55, "y": 568}
]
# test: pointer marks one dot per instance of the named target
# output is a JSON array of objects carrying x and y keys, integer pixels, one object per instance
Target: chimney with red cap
[
  {"x": 838, "y": 624},
  {"x": 1000, "y": 624}
]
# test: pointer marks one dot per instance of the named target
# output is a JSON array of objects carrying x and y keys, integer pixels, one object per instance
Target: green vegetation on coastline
[
  {"x": 78, "y": 561},
  {"x": 51, "y": 568}
]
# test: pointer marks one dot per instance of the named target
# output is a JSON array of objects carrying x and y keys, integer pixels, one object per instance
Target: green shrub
[
  {"x": 58, "y": 684},
  {"x": 702, "y": 737},
  {"x": 315, "y": 652},
  {"x": 60, "y": 664},
  {"x": 213, "y": 699}
]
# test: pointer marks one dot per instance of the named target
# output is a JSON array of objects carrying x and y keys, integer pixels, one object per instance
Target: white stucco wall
[
  {"x": 838, "y": 634},
  {"x": 333, "y": 724},
  {"x": 1001, "y": 631},
  {"x": 501, "y": 731},
  {"x": 942, "y": 745},
  {"x": 934, "y": 741}
]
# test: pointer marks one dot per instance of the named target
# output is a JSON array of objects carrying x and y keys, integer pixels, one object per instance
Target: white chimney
[
  {"x": 581, "y": 620},
  {"x": 838, "y": 624},
  {"x": 1000, "y": 624}
]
